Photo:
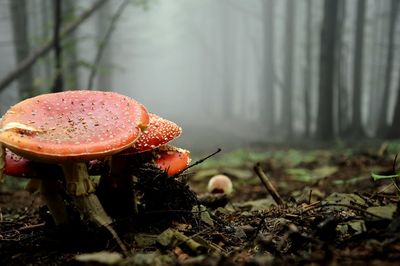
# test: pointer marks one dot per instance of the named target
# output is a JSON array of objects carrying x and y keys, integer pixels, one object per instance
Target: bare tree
[
  {"x": 19, "y": 21},
  {"x": 31, "y": 59},
  {"x": 104, "y": 41},
  {"x": 343, "y": 106},
  {"x": 104, "y": 80},
  {"x": 70, "y": 48},
  {"x": 287, "y": 99},
  {"x": 357, "y": 128},
  {"x": 58, "y": 79},
  {"x": 308, "y": 70},
  {"x": 383, "y": 114},
  {"x": 394, "y": 130},
  {"x": 325, "y": 128},
  {"x": 378, "y": 52},
  {"x": 267, "y": 90}
]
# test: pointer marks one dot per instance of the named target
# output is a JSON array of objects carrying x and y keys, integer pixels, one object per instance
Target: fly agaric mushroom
[{"x": 69, "y": 128}]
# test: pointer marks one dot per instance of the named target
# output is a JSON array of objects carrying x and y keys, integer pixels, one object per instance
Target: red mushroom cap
[
  {"x": 77, "y": 125},
  {"x": 171, "y": 159},
  {"x": 159, "y": 132}
]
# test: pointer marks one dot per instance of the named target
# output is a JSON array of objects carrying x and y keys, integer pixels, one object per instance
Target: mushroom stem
[
  {"x": 77, "y": 179},
  {"x": 50, "y": 192},
  {"x": 81, "y": 190}
]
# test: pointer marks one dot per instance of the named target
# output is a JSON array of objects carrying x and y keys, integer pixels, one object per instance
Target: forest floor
[{"x": 333, "y": 213}]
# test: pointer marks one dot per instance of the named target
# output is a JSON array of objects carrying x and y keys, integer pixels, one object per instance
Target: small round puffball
[{"x": 220, "y": 184}]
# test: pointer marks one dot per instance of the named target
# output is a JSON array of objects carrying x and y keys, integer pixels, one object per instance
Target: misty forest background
[{"x": 232, "y": 73}]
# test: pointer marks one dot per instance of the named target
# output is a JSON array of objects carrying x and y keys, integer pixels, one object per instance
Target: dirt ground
[{"x": 332, "y": 213}]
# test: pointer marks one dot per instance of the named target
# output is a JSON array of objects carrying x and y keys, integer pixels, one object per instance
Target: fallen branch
[
  {"x": 268, "y": 185},
  {"x": 41, "y": 51}
]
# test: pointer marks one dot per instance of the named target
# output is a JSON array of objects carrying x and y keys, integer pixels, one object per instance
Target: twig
[
  {"x": 32, "y": 226},
  {"x": 352, "y": 207},
  {"x": 197, "y": 162},
  {"x": 268, "y": 185},
  {"x": 104, "y": 41},
  {"x": 41, "y": 51},
  {"x": 191, "y": 243}
]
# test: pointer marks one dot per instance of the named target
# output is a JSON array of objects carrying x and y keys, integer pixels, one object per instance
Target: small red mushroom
[
  {"x": 19, "y": 166},
  {"x": 171, "y": 159}
]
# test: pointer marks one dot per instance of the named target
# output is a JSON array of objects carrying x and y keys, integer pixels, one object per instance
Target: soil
[{"x": 333, "y": 213}]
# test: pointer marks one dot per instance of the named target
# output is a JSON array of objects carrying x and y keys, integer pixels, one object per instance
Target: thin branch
[
  {"x": 268, "y": 184},
  {"x": 41, "y": 51},
  {"x": 197, "y": 162},
  {"x": 104, "y": 42}
]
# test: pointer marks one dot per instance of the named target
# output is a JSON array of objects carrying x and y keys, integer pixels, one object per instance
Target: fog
[{"x": 205, "y": 65}]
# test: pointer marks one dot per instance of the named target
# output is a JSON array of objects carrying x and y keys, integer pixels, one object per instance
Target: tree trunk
[
  {"x": 357, "y": 128},
  {"x": 341, "y": 74},
  {"x": 104, "y": 79},
  {"x": 394, "y": 131},
  {"x": 287, "y": 99},
  {"x": 383, "y": 114},
  {"x": 308, "y": 71},
  {"x": 58, "y": 79},
  {"x": 325, "y": 128},
  {"x": 378, "y": 53},
  {"x": 70, "y": 49},
  {"x": 267, "y": 99},
  {"x": 229, "y": 44},
  {"x": 19, "y": 21}
]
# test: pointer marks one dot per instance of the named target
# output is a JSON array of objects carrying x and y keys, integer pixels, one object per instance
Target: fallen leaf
[{"x": 385, "y": 212}]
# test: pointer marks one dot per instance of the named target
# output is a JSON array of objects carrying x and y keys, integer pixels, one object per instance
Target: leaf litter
[{"x": 332, "y": 212}]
